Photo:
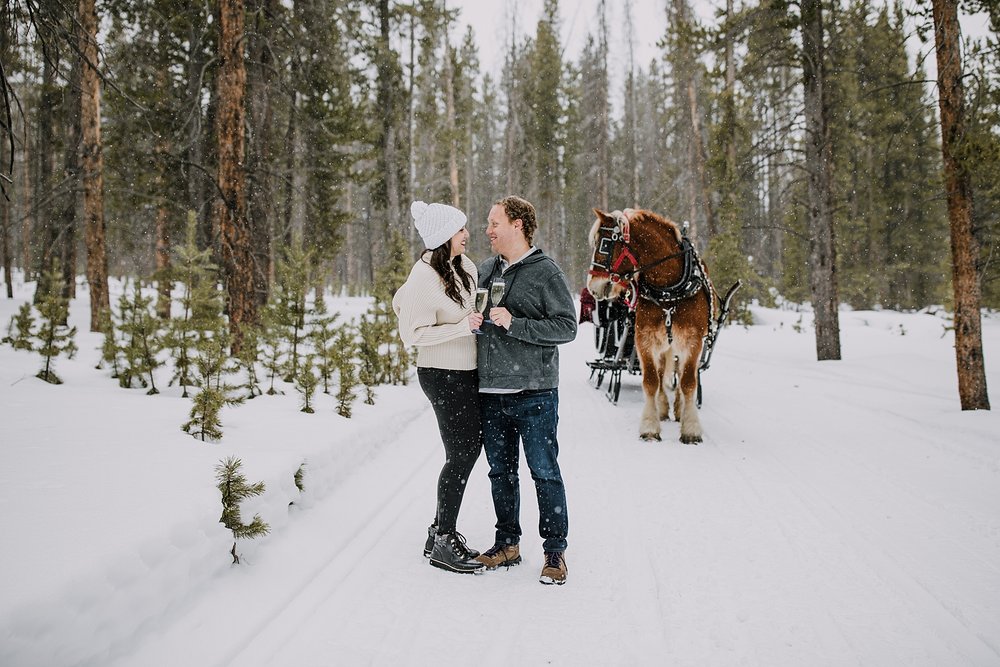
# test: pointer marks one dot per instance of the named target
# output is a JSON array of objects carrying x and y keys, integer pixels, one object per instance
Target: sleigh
[{"x": 614, "y": 339}]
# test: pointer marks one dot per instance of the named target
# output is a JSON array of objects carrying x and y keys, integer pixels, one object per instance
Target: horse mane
[{"x": 647, "y": 217}]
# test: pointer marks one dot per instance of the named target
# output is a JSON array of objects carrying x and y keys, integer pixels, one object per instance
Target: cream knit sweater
[{"x": 435, "y": 324}]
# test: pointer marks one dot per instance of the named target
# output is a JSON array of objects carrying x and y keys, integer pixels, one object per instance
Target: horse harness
[{"x": 694, "y": 277}]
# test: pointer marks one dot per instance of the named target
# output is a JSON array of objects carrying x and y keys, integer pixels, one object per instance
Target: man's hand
[{"x": 501, "y": 317}]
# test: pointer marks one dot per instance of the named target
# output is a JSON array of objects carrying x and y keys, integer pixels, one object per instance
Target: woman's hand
[{"x": 475, "y": 320}]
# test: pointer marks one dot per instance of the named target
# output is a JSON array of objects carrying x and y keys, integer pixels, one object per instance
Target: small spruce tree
[
  {"x": 200, "y": 301},
  {"x": 395, "y": 366},
  {"x": 235, "y": 489},
  {"x": 215, "y": 393},
  {"x": 346, "y": 371},
  {"x": 110, "y": 350},
  {"x": 21, "y": 328},
  {"x": 322, "y": 335},
  {"x": 306, "y": 383},
  {"x": 272, "y": 354},
  {"x": 247, "y": 361},
  {"x": 293, "y": 279},
  {"x": 368, "y": 356},
  {"x": 54, "y": 336},
  {"x": 143, "y": 340}
]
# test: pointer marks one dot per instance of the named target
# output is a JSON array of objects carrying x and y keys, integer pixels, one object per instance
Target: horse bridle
[{"x": 620, "y": 234}]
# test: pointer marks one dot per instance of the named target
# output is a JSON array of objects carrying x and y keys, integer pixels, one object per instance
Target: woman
[{"x": 435, "y": 311}]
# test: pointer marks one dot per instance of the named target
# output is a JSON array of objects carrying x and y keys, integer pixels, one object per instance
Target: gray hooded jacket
[{"x": 544, "y": 316}]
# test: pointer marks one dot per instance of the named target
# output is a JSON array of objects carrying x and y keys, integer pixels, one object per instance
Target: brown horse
[{"x": 645, "y": 256}]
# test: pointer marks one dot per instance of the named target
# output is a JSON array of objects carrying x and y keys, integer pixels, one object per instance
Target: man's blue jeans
[{"x": 532, "y": 418}]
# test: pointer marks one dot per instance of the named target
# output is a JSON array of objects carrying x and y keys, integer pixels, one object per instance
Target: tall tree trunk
[
  {"x": 411, "y": 121},
  {"x": 71, "y": 177},
  {"x": 698, "y": 159},
  {"x": 93, "y": 167},
  {"x": 196, "y": 181},
  {"x": 46, "y": 229},
  {"x": 449, "y": 87},
  {"x": 230, "y": 208},
  {"x": 260, "y": 195},
  {"x": 5, "y": 206},
  {"x": 972, "y": 390},
  {"x": 163, "y": 281},
  {"x": 29, "y": 217},
  {"x": 631, "y": 115},
  {"x": 822, "y": 254},
  {"x": 389, "y": 167}
]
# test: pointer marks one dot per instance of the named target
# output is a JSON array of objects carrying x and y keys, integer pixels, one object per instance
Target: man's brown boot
[
  {"x": 500, "y": 554},
  {"x": 554, "y": 570}
]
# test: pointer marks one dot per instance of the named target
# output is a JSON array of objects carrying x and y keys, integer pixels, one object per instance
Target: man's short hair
[{"x": 521, "y": 209}]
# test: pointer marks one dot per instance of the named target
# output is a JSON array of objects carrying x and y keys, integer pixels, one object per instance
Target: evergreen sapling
[
  {"x": 348, "y": 378},
  {"x": 272, "y": 356},
  {"x": 322, "y": 335},
  {"x": 215, "y": 393},
  {"x": 235, "y": 489},
  {"x": 21, "y": 328},
  {"x": 306, "y": 383},
  {"x": 54, "y": 336}
]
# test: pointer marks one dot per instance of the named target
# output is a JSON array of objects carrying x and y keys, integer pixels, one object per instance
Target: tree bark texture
[
  {"x": 71, "y": 176},
  {"x": 386, "y": 103},
  {"x": 972, "y": 389},
  {"x": 5, "y": 206},
  {"x": 46, "y": 234},
  {"x": 819, "y": 160},
  {"x": 260, "y": 197},
  {"x": 92, "y": 166},
  {"x": 230, "y": 208}
]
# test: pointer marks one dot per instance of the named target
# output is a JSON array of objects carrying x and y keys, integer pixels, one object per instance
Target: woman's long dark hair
[{"x": 440, "y": 258}]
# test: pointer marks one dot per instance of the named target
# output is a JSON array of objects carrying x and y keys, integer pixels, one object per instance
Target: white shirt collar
[{"x": 503, "y": 262}]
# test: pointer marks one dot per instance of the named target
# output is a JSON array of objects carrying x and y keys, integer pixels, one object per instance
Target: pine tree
[
  {"x": 322, "y": 334},
  {"x": 21, "y": 328},
  {"x": 395, "y": 366},
  {"x": 54, "y": 336},
  {"x": 348, "y": 377},
  {"x": 272, "y": 355},
  {"x": 200, "y": 301},
  {"x": 289, "y": 303},
  {"x": 306, "y": 383},
  {"x": 369, "y": 357},
  {"x": 110, "y": 349},
  {"x": 142, "y": 341},
  {"x": 246, "y": 360},
  {"x": 235, "y": 488},
  {"x": 214, "y": 392}
]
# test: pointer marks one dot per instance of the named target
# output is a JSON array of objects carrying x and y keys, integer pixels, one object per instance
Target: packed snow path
[
  {"x": 820, "y": 530},
  {"x": 838, "y": 513}
]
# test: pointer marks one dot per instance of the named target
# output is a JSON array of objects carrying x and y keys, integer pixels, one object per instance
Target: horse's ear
[{"x": 601, "y": 214}]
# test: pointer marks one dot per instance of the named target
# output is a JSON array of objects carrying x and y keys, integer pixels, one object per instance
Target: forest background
[{"x": 315, "y": 122}]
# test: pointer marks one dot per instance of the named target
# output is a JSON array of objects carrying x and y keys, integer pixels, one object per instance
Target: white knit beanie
[{"x": 436, "y": 223}]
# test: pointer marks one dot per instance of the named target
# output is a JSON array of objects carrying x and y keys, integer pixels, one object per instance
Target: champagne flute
[
  {"x": 496, "y": 294},
  {"x": 482, "y": 294},
  {"x": 496, "y": 291}
]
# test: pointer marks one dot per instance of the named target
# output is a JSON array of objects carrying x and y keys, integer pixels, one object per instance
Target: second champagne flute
[{"x": 482, "y": 294}]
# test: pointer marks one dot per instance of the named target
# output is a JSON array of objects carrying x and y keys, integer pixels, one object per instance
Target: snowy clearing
[{"x": 838, "y": 513}]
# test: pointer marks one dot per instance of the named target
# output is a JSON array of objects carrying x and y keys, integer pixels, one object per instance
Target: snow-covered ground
[{"x": 838, "y": 513}]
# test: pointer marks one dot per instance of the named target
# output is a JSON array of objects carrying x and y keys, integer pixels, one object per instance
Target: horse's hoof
[
  {"x": 651, "y": 436},
  {"x": 690, "y": 439}
]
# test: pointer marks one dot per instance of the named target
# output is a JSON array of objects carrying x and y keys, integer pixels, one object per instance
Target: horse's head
[{"x": 609, "y": 237}]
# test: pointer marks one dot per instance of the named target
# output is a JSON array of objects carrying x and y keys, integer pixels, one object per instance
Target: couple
[{"x": 496, "y": 388}]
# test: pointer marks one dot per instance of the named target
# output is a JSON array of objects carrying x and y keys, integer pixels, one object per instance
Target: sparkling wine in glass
[
  {"x": 482, "y": 294},
  {"x": 496, "y": 291}
]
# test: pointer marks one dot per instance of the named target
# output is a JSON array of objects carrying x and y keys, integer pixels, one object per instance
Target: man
[{"x": 518, "y": 383}]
